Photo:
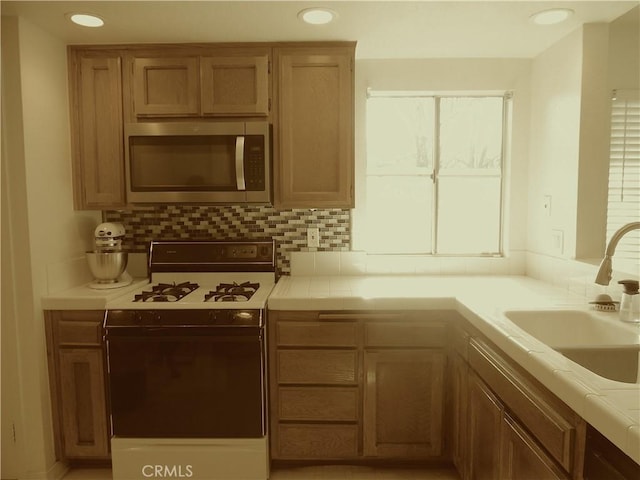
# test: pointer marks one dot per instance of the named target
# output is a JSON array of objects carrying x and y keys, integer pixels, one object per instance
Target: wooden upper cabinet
[
  {"x": 97, "y": 130},
  {"x": 166, "y": 86},
  {"x": 202, "y": 82},
  {"x": 235, "y": 85},
  {"x": 314, "y": 160}
]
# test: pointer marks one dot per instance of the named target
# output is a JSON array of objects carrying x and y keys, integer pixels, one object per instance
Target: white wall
[
  {"x": 554, "y": 145},
  {"x": 42, "y": 231},
  {"x": 453, "y": 75},
  {"x": 571, "y": 88},
  {"x": 593, "y": 162}
]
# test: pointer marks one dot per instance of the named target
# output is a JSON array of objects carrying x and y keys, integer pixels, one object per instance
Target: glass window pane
[
  {"x": 468, "y": 215},
  {"x": 400, "y": 134},
  {"x": 399, "y": 214},
  {"x": 470, "y": 132}
]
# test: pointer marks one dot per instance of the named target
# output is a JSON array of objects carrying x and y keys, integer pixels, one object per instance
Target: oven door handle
[
  {"x": 240, "y": 183},
  {"x": 182, "y": 334}
]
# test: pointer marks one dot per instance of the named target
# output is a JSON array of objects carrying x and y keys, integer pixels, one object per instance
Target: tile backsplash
[{"x": 287, "y": 227}]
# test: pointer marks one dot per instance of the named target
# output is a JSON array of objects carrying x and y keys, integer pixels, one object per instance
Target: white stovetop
[
  {"x": 611, "y": 407},
  {"x": 196, "y": 299}
]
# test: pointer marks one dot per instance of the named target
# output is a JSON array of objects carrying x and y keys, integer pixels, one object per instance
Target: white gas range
[{"x": 186, "y": 361}]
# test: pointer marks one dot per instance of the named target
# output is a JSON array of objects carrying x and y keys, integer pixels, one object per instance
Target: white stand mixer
[{"x": 108, "y": 262}]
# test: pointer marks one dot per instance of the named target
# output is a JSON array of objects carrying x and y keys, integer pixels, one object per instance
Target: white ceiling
[{"x": 383, "y": 29}]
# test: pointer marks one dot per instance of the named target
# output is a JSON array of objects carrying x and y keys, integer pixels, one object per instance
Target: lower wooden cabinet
[
  {"x": 403, "y": 403},
  {"x": 457, "y": 411},
  {"x": 356, "y": 385},
  {"x": 522, "y": 457},
  {"x": 485, "y": 413},
  {"x": 77, "y": 381},
  {"x": 510, "y": 427}
]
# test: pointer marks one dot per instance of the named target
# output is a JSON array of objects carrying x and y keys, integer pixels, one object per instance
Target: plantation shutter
[{"x": 624, "y": 171}]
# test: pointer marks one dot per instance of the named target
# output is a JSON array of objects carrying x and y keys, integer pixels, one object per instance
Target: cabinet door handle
[
  {"x": 334, "y": 317},
  {"x": 240, "y": 183}
]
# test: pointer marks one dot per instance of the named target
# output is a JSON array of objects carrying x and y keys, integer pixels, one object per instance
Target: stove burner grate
[
  {"x": 232, "y": 292},
  {"x": 166, "y": 292}
]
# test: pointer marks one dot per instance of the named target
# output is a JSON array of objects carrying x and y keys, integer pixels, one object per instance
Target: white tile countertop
[
  {"x": 85, "y": 298},
  {"x": 611, "y": 407}
]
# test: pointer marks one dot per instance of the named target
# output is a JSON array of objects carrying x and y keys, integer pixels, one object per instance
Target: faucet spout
[{"x": 604, "y": 273}]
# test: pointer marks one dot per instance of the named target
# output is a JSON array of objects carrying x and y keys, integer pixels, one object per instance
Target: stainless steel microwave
[{"x": 204, "y": 162}]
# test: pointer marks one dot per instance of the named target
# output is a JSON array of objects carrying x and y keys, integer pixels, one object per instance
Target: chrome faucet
[{"x": 604, "y": 274}]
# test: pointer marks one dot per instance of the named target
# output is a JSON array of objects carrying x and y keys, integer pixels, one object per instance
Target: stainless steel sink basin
[{"x": 598, "y": 341}]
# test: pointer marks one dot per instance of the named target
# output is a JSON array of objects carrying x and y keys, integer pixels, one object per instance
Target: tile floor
[{"x": 322, "y": 472}]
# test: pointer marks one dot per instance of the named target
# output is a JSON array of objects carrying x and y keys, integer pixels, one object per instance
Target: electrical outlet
[
  {"x": 313, "y": 237},
  {"x": 557, "y": 242}
]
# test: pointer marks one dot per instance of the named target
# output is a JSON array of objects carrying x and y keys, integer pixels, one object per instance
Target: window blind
[{"x": 624, "y": 171}]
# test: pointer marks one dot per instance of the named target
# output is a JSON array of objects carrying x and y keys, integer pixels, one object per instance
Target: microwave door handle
[{"x": 240, "y": 183}]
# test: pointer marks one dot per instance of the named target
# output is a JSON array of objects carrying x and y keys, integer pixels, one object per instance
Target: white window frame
[{"x": 506, "y": 133}]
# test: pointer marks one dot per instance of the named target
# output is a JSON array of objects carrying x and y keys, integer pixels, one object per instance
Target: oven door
[{"x": 164, "y": 383}]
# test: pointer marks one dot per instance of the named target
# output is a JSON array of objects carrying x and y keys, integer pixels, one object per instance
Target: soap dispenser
[{"x": 630, "y": 301}]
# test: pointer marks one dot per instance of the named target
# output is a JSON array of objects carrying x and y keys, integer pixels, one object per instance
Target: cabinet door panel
[
  {"x": 522, "y": 458},
  {"x": 99, "y": 159},
  {"x": 235, "y": 85},
  {"x": 485, "y": 413},
  {"x": 403, "y": 403},
  {"x": 83, "y": 403},
  {"x": 458, "y": 412},
  {"x": 315, "y": 132},
  {"x": 166, "y": 86}
]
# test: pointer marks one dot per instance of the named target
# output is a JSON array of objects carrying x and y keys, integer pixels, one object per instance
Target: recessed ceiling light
[
  {"x": 86, "y": 19},
  {"x": 551, "y": 16},
  {"x": 317, "y": 15}
]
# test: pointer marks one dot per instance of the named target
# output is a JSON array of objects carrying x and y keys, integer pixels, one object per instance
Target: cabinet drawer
[
  {"x": 405, "y": 334},
  {"x": 318, "y": 403},
  {"x": 317, "y": 334},
  {"x": 535, "y": 409},
  {"x": 317, "y": 441},
  {"x": 317, "y": 366},
  {"x": 81, "y": 328}
]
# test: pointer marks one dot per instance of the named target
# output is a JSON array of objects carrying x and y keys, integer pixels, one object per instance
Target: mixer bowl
[{"x": 106, "y": 267}]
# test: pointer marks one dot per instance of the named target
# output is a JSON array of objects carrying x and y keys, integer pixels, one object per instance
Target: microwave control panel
[{"x": 254, "y": 162}]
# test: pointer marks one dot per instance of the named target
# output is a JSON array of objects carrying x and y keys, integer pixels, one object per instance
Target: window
[
  {"x": 624, "y": 171},
  {"x": 434, "y": 173}
]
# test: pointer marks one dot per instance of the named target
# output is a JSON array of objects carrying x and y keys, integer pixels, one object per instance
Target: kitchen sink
[{"x": 599, "y": 342}]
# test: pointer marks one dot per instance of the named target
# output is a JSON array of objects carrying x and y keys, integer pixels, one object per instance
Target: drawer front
[
  {"x": 531, "y": 405},
  {"x": 318, "y": 404},
  {"x": 318, "y": 366},
  {"x": 83, "y": 331},
  {"x": 317, "y": 334},
  {"x": 317, "y": 441},
  {"x": 414, "y": 334}
]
